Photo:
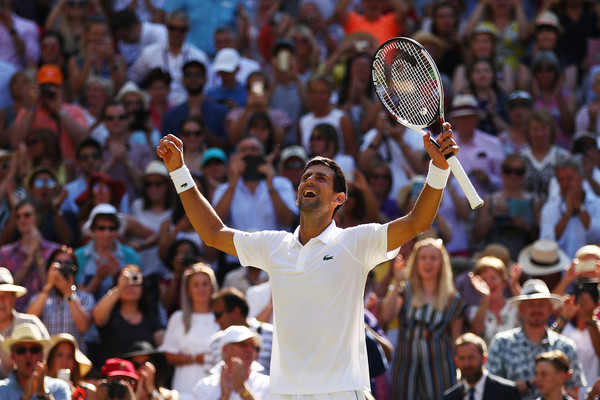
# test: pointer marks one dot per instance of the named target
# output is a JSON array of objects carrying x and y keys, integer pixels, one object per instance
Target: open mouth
[{"x": 310, "y": 193}]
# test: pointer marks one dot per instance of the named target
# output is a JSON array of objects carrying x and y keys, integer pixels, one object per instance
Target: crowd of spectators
[{"x": 102, "y": 268}]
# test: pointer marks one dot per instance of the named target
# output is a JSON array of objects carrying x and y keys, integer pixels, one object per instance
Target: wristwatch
[{"x": 73, "y": 295}]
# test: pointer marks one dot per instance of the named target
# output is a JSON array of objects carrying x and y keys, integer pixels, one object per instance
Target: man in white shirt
[
  {"x": 318, "y": 273},
  {"x": 170, "y": 57},
  {"x": 235, "y": 378}
]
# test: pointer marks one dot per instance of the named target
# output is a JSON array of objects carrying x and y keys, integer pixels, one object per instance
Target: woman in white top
[{"x": 189, "y": 329}]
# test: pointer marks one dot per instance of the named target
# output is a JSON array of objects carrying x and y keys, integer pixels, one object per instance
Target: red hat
[
  {"x": 50, "y": 73},
  {"x": 118, "y": 367},
  {"x": 116, "y": 186}
]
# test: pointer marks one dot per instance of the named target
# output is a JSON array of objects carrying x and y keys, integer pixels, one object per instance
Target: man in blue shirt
[{"x": 28, "y": 380}]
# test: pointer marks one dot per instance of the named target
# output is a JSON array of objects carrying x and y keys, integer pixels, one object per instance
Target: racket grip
[{"x": 465, "y": 183}]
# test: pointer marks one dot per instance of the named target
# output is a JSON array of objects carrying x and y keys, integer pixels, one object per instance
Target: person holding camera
[
  {"x": 254, "y": 198},
  {"x": 61, "y": 306},
  {"x": 67, "y": 121},
  {"x": 123, "y": 315}
]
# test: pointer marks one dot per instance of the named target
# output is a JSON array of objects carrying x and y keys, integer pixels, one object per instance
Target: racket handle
[{"x": 465, "y": 183}]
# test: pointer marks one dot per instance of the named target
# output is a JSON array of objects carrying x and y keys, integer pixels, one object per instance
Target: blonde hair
[
  {"x": 445, "y": 284},
  {"x": 493, "y": 263},
  {"x": 186, "y": 301}
]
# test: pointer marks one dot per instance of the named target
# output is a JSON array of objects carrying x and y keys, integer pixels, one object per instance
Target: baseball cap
[
  {"x": 213, "y": 153},
  {"x": 294, "y": 151},
  {"x": 238, "y": 334},
  {"x": 119, "y": 367},
  {"x": 49, "y": 74},
  {"x": 519, "y": 95},
  {"x": 548, "y": 18},
  {"x": 226, "y": 60}
]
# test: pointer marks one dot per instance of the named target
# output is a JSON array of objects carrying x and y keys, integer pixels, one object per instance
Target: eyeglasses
[
  {"x": 293, "y": 165},
  {"x": 121, "y": 117},
  {"x": 381, "y": 176},
  {"x": 196, "y": 74},
  {"x": 26, "y": 215},
  {"x": 103, "y": 228},
  {"x": 154, "y": 183},
  {"x": 92, "y": 156},
  {"x": 73, "y": 3},
  {"x": 21, "y": 350},
  {"x": 181, "y": 29},
  {"x": 190, "y": 133},
  {"x": 44, "y": 182},
  {"x": 513, "y": 171}
]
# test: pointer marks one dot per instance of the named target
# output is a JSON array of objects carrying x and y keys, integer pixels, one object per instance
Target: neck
[
  {"x": 129, "y": 307},
  {"x": 466, "y": 136},
  {"x": 558, "y": 394},
  {"x": 195, "y": 100},
  {"x": 540, "y": 151},
  {"x": 22, "y": 379},
  {"x": 312, "y": 226},
  {"x": 175, "y": 48},
  {"x": 535, "y": 333},
  {"x": 430, "y": 286},
  {"x": 200, "y": 306},
  {"x": 104, "y": 247},
  {"x": 512, "y": 192}
]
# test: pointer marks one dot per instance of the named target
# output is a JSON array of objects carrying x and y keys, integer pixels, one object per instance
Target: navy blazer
[{"x": 495, "y": 388}]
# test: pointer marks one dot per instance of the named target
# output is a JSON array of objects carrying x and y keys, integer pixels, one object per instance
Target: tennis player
[{"x": 317, "y": 273}]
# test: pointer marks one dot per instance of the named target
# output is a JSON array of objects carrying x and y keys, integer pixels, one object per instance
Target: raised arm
[
  {"x": 201, "y": 214},
  {"x": 421, "y": 216}
]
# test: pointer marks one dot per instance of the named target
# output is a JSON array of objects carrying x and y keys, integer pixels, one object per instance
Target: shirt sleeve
[
  {"x": 495, "y": 361},
  {"x": 173, "y": 334}
]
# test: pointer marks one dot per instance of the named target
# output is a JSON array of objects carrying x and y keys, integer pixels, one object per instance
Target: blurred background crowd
[{"x": 96, "y": 244}]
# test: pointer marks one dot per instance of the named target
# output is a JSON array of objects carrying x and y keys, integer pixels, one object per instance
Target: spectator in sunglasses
[
  {"x": 26, "y": 346},
  {"x": 509, "y": 216},
  {"x": 11, "y": 318},
  {"x": 60, "y": 305},
  {"x": 25, "y": 257}
]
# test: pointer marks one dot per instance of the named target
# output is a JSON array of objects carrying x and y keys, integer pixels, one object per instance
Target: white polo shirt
[{"x": 319, "y": 333}]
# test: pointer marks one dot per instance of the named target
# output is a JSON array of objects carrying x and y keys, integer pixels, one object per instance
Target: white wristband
[
  {"x": 182, "y": 179},
  {"x": 437, "y": 177}
]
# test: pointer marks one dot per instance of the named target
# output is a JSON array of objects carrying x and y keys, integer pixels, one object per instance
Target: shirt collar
[
  {"x": 326, "y": 237},
  {"x": 479, "y": 386}
]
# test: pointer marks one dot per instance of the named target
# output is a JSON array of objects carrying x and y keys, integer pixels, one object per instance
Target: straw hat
[
  {"x": 25, "y": 333},
  {"x": 85, "y": 365},
  {"x": 7, "y": 283},
  {"x": 534, "y": 289}
]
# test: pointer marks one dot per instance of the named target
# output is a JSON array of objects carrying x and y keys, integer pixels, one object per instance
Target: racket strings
[{"x": 407, "y": 83}]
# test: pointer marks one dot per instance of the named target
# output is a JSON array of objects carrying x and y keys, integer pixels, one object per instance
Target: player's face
[
  {"x": 316, "y": 188},
  {"x": 470, "y": 362}
]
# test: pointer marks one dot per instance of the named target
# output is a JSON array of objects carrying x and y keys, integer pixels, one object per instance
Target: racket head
[{"x": 408, "y": 83}]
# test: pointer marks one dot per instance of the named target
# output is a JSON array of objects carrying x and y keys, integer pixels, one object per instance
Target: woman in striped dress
[{"x": 430, "y": 311}]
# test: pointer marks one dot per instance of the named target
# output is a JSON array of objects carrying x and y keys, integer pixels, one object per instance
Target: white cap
[
  {"x": 238, "y": 334},
  {"x": 226, "y": 60}
]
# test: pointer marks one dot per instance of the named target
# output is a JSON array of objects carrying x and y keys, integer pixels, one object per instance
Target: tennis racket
[{"x": 409, "y": 85}]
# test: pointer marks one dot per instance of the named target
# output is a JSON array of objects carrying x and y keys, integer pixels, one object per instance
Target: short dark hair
[
  {"x": 339, "y": 179},
  {"x": 193, "y": 63},
  {"x": 88, "y": 142},
  {"x": 124, "y": 19},
  {"x": 157, "y": 74},
  {"x": 232, "y": 298}
]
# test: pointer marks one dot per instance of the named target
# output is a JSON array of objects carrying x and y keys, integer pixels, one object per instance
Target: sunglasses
[
  {"x": 154, "y": 183},
  {"x": 26, "y": 215},
  {"x": 44, "y": 182},
  {"x": 21, "y": 350},
  {"x": 121, "y": 117},
  {"x": 181, "y": 29},
  {"x": 293, "y": 165},
  {"x": 193, "y": 74},
  {"x": 103, "y": 228},
  {"x": 92, "y": 156},
  {"x": 513, "y": 171}
]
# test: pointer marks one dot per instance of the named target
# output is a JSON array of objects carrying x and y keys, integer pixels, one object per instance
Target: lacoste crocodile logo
[
  {"x": 327, "y": 257},
  {"x": 184, "y": 185}
]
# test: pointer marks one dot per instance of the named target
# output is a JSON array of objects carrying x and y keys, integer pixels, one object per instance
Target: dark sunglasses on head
[
  {"x": 513, "y": 171},
  {"x": 182, "y": 29},
  {"x": 32, "y": 350}
]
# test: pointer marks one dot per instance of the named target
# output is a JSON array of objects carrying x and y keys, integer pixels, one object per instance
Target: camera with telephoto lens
[
  {"x": 67, "y": 269},
  {"x": 48, "y": 91}
]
